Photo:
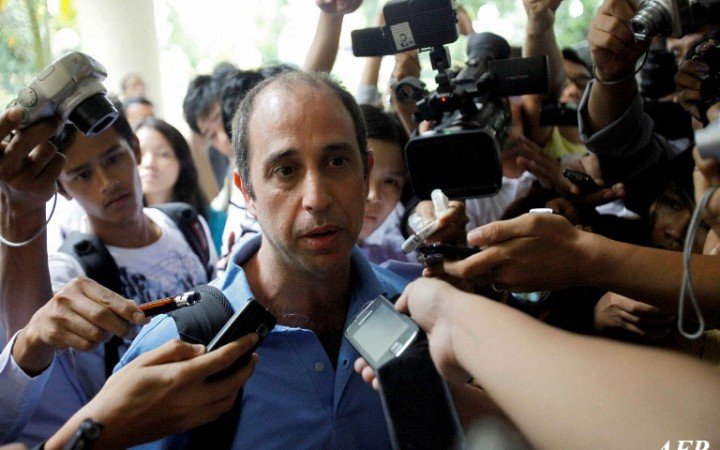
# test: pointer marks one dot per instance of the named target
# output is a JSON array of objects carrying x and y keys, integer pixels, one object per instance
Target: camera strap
[{"x": 418, "y": 407}]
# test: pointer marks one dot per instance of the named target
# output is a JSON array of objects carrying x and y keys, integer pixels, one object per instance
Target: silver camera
[
  {"x": 672, "y": 18},
  {"x": 69, "y": 88},
  {"x": 708, "y": 140}
]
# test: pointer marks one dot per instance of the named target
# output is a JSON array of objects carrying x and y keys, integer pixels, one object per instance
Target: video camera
[
  {"x": 461, "y": 154},
  {"x": 671, "y": 18}
]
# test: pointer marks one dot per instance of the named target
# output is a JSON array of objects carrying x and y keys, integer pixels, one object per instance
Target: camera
[
  {"x": 471, "y": 116},
  {"x": 559, "y": 114},
  {"x": 69, "y": 88},
  {"x": 672, "y": 18}
]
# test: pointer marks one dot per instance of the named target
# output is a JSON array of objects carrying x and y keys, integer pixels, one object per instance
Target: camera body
[
  {"x": 409, "y": 24},
  {"x": 69, "y": 88},
  {"x": 661, "y": 18}
]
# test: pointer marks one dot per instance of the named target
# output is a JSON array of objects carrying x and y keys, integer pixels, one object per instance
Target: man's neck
[
  {"x": 136, "y": 233},
  {"x": 315, "y": 302}
]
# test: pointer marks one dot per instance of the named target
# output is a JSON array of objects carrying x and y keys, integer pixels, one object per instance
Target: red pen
[{"x": 165, "y": 305}]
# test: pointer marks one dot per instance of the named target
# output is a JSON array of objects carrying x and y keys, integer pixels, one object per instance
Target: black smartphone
[
  {"x": 252, "y": 318},
  {"x": 446, "y": 251},
  {"x": 583, "y": 181}
]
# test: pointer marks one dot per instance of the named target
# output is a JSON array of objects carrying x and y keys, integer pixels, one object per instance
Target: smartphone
[
  {"x": 583, "y": 181},
  {"x": 446, "y": 251},
  {"x": 380, "y": 333},
  {"x": 252, "y": 318}
]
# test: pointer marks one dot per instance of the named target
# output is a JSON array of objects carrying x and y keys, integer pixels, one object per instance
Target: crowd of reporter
[{"x": 599, "y": 362}]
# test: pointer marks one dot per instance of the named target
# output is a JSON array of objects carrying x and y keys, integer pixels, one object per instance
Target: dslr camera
[
  {"x": 671, "y": 18},
  {"x": 469, "y": 109},
  {"x": 69, "y": 88}
]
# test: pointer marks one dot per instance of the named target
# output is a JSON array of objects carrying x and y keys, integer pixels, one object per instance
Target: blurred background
[{"x": 170, "y": 41}]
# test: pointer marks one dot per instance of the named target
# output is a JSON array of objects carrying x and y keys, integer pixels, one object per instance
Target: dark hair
[
  {"x": 201, "y": 93},
  {"x": 139, "y": 99},
  {"x": 64, "y": 139},
  {"x": 271, "y": 70},
  {"x": 126, "y": 79},
  {"x": 234, "y": 89},
  {"x": 186, "y": 188},
  {"x": 222, "y": 70},
  {"x": 241, "y": 121},
  {"x": 383, "y": 126},
  {"x": 571, "y": 55}
]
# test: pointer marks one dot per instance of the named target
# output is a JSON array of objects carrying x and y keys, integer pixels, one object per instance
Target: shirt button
[{"x": 319, "y": 366}]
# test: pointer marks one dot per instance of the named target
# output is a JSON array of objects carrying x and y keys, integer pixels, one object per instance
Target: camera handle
[{"x": 440, "y": 60}]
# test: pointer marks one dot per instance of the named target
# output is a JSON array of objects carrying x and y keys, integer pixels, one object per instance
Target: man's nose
[
  {"x": 373, "y": 192},
  {"x": 316, "y": 193},
  {"x": 105, "y": 181}
]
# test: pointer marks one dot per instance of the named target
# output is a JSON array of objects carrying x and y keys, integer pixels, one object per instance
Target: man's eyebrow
[
  {"x": 81, "y": 167},
  {"x": 338, "y": 146},
  {"x": 279, "y": 156}
]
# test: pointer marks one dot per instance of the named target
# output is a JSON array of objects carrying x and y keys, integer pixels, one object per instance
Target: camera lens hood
[{"x": 88, "y": 108}]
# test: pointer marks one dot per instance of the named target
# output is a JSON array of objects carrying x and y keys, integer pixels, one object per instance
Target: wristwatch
[{"x": 85, "y": 436}]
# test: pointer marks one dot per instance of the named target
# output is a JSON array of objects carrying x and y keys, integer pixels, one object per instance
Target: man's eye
[
  {"x": 392, "y": 182},
  {"x": 283, "y": 171},
  {"x": 339, "y": 161},
  {"x": 83, "y": 175}
]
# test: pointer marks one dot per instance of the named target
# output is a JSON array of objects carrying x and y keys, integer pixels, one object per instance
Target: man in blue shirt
[{"x": 303, "y": 168}]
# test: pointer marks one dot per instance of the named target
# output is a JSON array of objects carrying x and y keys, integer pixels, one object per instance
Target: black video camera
[{"x": 461, "y": 154}]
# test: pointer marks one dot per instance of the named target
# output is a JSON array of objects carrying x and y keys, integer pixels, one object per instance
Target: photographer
[{"x": 593, "y": 390}]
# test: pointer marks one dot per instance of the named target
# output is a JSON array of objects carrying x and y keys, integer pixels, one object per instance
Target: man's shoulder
[{"x": 161, "y": 329}]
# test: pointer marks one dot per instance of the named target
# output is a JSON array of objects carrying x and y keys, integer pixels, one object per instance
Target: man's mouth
[{"x": 117, "y": 200}]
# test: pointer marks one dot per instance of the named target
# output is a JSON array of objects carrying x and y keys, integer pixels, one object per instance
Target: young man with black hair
[{"x": 54, "y": 364}]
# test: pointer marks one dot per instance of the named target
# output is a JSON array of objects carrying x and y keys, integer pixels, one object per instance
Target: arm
[
  {"x": 162, "y": 392},
  {"x": 594, "y": 390},
  {"x": 540, "y": 40},
  {"x": 407, "y": 64},
  {"x": 614, "y": 53},
  {"x": 29, "y": 168},
  {"x": 537, "y": 251},
  {"x": 324, "y": 47}
]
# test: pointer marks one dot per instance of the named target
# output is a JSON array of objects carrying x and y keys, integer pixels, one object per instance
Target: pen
[{"x": 165, "y": 305}]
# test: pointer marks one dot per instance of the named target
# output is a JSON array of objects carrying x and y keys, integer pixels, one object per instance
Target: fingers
[
  {"x": 172, "y": 351},
  {"x": 9, "y": 120},
  {"x": 527, "y": 225},
  {"x": 14, "y": 158},
  {"x": 215, "y": 361},
  {"x": 122, "y": 307},
  {"x": 40, "y": 157}
]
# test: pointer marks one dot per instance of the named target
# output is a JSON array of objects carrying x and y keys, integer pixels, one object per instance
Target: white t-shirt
[
  {"x": 164, "y": 268},
  {"x": 489, "y": 209}
]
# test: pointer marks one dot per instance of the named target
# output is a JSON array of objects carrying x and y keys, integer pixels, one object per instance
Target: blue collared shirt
[{"x": 295, "y": 398}]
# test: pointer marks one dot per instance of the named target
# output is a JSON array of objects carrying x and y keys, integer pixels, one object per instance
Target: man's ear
[
  {"x": 249, "y": 200},
  {"x": 61, "y": 190},
  {"x": 135, "y": 144}
]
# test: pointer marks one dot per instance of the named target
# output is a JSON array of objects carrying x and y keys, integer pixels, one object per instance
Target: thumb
[{"x": 169, "y": 352}]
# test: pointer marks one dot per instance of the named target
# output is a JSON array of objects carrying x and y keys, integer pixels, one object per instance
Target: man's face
[
  {"x": 211, "y": 127},
  {"x": 670, "y": 219},
  {"x": 386, "y": 183},
  {"x": 578, "y": 78},
  {"x": 307, "y": 176},
  {"x": 137, "y": 112},
  {"x": 101, "y": 174}
]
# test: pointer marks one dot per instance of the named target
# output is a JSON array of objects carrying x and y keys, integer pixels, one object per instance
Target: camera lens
[
  {"x": 651, "y": 20},
  {"x": 93, "y": 115}
]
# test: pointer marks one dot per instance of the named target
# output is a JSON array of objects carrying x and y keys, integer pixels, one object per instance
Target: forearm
[
  {"x": 371, "y": 71},
  {"x": 24, "y": 273},
  {"x": 586, "y": 386},
  {"x": 540, "y": 40},
  {"x": 324, "y": 47},
  {"x": 607, "y": 103},
  {"x": 654, "y": 276}
]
